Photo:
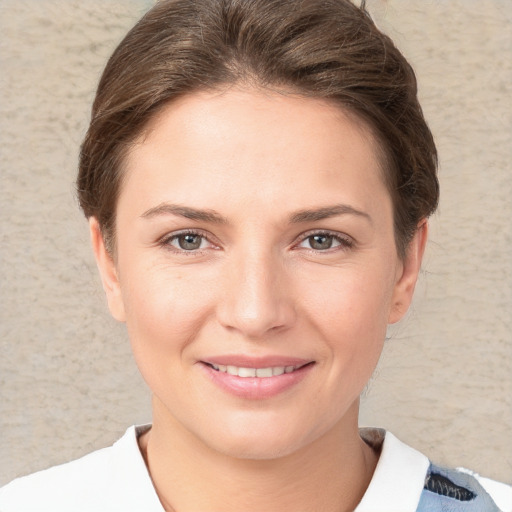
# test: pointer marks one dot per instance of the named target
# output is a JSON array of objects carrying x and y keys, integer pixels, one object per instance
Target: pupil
[
  {"x": 189, "y": 242},
  {"x": 321, "y": 242}
]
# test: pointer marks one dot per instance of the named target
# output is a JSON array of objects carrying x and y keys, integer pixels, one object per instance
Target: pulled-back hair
[{"x": 328, "y": 49}]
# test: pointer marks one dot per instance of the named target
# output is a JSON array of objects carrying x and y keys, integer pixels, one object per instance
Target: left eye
[
  {"x": 188, "y": 242},
  {"x": 321, "y": 242}
]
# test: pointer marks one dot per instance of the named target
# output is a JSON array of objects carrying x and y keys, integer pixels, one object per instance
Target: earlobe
[
  {"x": 108, "y": 272},
  {"x": 410, "y": 268}
]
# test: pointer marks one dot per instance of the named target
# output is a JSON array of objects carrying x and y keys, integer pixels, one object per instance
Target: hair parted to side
[{"x": 327, "y": 49}]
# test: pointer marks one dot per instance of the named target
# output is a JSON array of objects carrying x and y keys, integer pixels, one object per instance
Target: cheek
[
  {"x": 350, "y": 312},
  {"x": 164, "y": 309},
  {"x": 356, "y": 299}
]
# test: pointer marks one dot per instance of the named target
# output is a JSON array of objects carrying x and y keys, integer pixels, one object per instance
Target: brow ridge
[
  {"x": 207, "y": 215},
  {"x": 185, "y": 211},
  {"x": 327, "y": 212}
]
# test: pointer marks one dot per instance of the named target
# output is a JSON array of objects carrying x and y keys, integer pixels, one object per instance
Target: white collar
[
  {"x": 399, "y": 477},
  {"x": 134, "y": 487}
]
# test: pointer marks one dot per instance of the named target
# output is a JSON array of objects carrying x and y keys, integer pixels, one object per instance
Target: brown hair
[{"x": 317, "y": 48}]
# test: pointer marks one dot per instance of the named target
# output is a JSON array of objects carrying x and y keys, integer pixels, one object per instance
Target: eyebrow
[
  {"x": 186, "y": 212},
  {"x": 308, "y": 215},
  {"x": 327, "y": 212}
]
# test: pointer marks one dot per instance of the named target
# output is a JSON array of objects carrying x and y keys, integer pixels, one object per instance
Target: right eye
[{"x": 186, "y": 242}]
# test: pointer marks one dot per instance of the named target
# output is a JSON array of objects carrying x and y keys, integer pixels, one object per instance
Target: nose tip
[{"x": 256, "y": 301}]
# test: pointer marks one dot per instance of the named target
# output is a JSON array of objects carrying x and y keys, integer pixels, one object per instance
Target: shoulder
[
  {"x": 405, "y": 480},
  {"x": 68, "y": 484},
  {"x": 113, "y": 478},
  {"x": 462, "y": 490}
]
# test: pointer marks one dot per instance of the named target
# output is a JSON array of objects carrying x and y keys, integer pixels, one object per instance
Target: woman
[{"x": 257, "y": 178}]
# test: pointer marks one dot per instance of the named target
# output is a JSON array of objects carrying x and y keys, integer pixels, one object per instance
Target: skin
[{"x": 257, "y": 285}]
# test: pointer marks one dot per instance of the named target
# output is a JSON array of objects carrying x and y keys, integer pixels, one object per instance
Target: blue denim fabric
[{"x": 464, "y": 495}]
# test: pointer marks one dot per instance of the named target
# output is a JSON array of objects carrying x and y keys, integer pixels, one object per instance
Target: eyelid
[
  {"x": 165, "y": 241},
  {"x": 345, "y": 240}
]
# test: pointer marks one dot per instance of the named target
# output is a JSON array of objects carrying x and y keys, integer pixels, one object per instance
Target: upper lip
[{"x": 245, "y": 361}]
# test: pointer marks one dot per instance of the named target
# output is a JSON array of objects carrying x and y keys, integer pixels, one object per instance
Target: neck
[{"x": 330, "y": 474}]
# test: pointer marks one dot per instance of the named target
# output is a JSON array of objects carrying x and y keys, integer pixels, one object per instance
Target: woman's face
[{"x": 256, "y": 267}]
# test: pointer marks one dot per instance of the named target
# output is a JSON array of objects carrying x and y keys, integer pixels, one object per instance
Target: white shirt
[{"x": 116, "y": 479}]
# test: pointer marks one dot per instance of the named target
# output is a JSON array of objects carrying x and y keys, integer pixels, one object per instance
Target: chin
[
  {"x": 257, "y": 447},
  {"x": 260, "y": 440}
]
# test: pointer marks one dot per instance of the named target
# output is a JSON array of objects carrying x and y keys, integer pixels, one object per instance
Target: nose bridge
[{"x": 256, "y": 299}]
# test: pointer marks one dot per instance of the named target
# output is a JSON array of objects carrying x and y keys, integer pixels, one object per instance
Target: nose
[{"x": 257, "y": 299}]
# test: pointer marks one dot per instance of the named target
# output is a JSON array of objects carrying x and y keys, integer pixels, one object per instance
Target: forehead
[
  {"x": 204, "y": 112},
  {"x": 249, "y": 144}
]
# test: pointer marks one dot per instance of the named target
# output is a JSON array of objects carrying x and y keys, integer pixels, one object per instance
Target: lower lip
[{"x": 256, "y": 388}]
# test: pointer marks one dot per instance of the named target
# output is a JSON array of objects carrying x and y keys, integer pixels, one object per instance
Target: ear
[
  {"x": 108, "y": 272},
  {"x": 408, "y": 273}
]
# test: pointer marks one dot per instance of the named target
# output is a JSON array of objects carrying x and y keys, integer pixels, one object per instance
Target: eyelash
[
  {"x": 165, "y": 242},
  {"x": 344, "y": 242}
]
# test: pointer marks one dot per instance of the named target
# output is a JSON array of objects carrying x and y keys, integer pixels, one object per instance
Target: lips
[{"x": 256, "y": 378}]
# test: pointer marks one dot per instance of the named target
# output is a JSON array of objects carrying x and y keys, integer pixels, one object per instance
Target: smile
[
  {"x": 244, "y": 372},
  {"x": 253, "y": 379}
]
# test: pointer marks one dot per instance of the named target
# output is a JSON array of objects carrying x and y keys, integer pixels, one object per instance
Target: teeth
[
  {"x": 264, "y": 372},
  {"x": 232, "y": 370},
  {"x": 247, "y": 372},
  {"x": 254, "y": 372}
]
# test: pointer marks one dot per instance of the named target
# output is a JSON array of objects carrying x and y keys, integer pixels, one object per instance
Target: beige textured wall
[{"x": 67, "y": 381}]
